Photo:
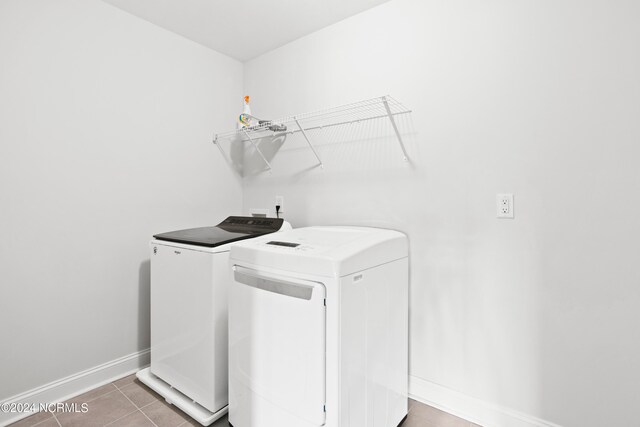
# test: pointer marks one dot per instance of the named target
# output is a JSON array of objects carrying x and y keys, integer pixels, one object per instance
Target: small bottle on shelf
[{"x": 245, "y": 119}]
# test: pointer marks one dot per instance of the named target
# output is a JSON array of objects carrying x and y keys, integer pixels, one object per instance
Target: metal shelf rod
[
  {"x": 308, "y": 141},
  {"x": 258, "y": 150},
  {"x": 215, "y": 141},
  {"x": 395, "y": 128}
]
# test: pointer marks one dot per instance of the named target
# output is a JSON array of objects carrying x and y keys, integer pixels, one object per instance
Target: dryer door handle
[{"x": 254, "y": 279}]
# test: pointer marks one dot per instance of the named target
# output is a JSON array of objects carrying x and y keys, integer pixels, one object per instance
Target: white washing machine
[
  {"x": 318, "y": 329},
  {"x": 190, "y": 277}
]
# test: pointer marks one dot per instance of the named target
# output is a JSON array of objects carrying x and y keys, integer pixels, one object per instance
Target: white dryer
[
  {"x": 318, "y": 329},
  {"x": 190, "y": 277}
]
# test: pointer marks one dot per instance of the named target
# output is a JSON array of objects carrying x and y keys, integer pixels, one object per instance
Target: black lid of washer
[{"x": 232, "y": 229}]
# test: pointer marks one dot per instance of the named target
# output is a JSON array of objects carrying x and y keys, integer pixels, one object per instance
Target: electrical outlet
[
  {"x": 504, "y": 204},
  {"x": 280, "y": 202}
]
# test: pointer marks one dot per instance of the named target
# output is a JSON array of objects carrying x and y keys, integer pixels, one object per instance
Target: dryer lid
[{"x": 323, "y": 251}]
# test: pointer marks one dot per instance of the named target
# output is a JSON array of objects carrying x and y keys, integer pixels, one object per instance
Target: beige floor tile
[
  {"x": 32, "y": 419},
  {"x": 124, "y": 381},
  {"x": 416, "y": 422},
  {"x": 50, "y": 422},
  {"x": 430, "y": 416},
  {"x": 92, "y": 394},
  {"x": 164, "y": 415},
  {"x": 412, "y": 403},
  {"x": 140, "y": 394},
  {"x": 136, "y": 419},
  {"x": 103, "y": 410}
]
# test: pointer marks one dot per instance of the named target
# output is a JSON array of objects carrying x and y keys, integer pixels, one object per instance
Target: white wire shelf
[{"x": 370, "y": 109}]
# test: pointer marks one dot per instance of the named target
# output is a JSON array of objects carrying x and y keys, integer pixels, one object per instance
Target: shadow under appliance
[
  {"x": 190, "y": 276},
  {"x": 318, "y": 329}
]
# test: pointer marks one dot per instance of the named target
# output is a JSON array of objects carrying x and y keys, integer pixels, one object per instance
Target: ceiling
[{"x": 244, "y": 29}]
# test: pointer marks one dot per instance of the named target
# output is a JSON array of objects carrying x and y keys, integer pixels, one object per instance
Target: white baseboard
[
  {"x": 73, "y": 385},
  {"x": 470, "y": 408}
]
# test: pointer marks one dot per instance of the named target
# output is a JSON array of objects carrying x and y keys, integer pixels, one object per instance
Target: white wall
[
  {"x": 105, "y": 138},
  {"x": 539, "y": 314}
]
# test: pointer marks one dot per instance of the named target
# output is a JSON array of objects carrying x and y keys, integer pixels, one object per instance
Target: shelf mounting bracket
[
  {"x": 215, "y": 141},
  {"x": 308, "y": 141},
  {"x": 395, "y": 127},
  {"x": 257, "y": 149}
]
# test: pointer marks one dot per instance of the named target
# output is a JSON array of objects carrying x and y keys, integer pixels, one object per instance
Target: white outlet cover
[{"x": 504, "y": 205}]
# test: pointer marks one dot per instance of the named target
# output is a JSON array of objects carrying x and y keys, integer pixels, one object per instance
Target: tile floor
[{"x": 129, "y": 403}]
